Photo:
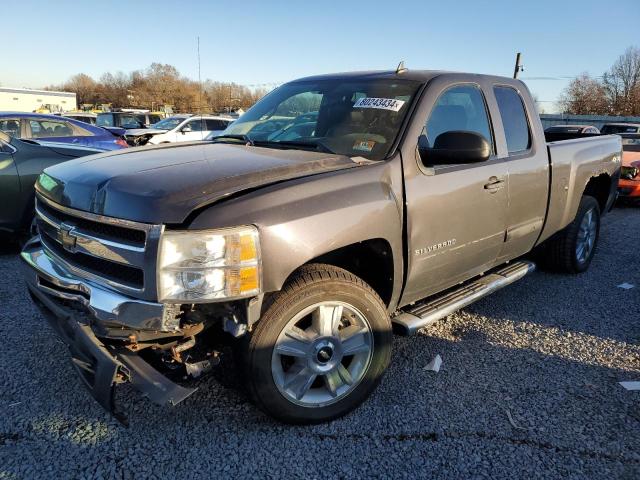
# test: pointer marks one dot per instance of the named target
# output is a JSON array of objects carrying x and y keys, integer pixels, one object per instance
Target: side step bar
[{"x": 423, "y": 314}]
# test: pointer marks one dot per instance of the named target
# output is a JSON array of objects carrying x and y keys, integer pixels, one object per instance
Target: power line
[{"x": 562, "y": 77}]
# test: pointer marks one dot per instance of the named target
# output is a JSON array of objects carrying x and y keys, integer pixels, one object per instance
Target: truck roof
[{"x": 408, "y": 74}]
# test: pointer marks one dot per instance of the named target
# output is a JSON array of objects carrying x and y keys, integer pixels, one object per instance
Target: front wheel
[{"x": 320, "y": 348}]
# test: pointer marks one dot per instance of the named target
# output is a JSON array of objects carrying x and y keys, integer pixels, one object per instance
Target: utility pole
[
  {"x": 199, "y": 81},
  {"x": 518, "y": 68}
]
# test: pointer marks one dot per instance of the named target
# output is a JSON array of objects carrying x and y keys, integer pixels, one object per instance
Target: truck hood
[{"x": 164, "y": 184}]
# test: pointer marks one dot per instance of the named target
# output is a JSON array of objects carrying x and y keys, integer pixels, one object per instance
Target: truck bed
[{"x": 574, "y": 159}]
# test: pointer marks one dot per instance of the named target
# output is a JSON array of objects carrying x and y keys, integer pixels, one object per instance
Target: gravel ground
[{"x": 528, "y": 387}]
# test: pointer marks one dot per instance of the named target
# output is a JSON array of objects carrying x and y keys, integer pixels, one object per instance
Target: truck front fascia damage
[{"x": 100, "y": 366}]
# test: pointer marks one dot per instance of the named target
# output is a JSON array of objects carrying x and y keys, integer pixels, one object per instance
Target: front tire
[
  {"x": 572, "y": 249},
  {"x": 320, "y": 348}
]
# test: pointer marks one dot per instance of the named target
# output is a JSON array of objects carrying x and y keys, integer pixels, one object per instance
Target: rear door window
[
  {"x": 213, "y": 124},
  {"x": 514, "y": 119},
  {"x": 48, "y": 128}
]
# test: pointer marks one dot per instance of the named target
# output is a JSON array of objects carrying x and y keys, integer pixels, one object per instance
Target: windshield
[
  {"x": 349, "y": 117},
  {"x": 168, "y": 123},
  {"x": 104, "y": 120}
]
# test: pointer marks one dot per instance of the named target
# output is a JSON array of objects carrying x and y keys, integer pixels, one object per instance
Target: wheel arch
[
  {"x": 600, "y": 187},
  {"x": 371, "y": 260}
]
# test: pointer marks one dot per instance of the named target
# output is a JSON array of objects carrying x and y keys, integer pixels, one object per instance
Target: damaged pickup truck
[{"x": 335, "y": 211}]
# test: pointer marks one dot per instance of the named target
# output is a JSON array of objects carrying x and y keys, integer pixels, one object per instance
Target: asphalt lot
[{"x": 528, "y": 387}]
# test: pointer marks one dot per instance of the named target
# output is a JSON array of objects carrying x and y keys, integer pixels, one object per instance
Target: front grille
[
  {"x": 124, "y": 274},
  {"x": 108, "y": 232},
  {"x": 118, "y": 253}
]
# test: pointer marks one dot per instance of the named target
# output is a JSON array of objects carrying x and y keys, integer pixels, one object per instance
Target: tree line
[
  {"x": 617, "y": 92},
  {"x": 157, "y": 86}
]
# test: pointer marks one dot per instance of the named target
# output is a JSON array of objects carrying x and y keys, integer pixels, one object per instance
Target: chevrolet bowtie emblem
[{"x": 67, "y": 237}]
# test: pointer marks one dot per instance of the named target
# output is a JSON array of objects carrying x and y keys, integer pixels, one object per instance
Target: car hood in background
[
  {"x": 165, "y": 184},
  {"x": 135, "y": 132},
  {"x": 117, "y": 131}
]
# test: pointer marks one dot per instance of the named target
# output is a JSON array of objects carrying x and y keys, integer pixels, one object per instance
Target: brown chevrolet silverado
[{"x": 337, "y": 210}]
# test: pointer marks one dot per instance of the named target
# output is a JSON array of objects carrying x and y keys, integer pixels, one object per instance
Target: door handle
[{"x": 494, "y": 184}]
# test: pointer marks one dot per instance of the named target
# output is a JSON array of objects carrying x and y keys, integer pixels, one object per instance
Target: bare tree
[
  {"x": 622, "y": 83},
  {"x": 157, "y": 85},
  {"x": 584, "y": 96}
]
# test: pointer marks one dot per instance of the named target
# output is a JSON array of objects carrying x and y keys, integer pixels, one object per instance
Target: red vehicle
[{"x": 629, "y": 184}]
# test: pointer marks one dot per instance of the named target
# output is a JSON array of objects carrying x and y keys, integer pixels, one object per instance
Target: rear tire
[
  {"x": 320, "y": 348},
  {"x": 572, "y": 249}
]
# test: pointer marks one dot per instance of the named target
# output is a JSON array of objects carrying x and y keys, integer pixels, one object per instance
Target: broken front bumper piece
[{"x": 73, "y": 306}]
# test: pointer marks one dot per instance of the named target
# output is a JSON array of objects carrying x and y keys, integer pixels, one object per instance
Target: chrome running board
[{"x": 422, "y": 314}]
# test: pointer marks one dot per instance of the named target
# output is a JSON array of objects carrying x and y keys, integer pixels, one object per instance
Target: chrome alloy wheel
[
  {"x": 322, "y": 354},
  {"x": 586, "y": 236}
]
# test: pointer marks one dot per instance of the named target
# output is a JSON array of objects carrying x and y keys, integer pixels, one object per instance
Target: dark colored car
[
  {"x": 620, "y": 128},
  {"x": 21, "y": 161},
  {"x": 127, "y": 119},
  {"x": 54, "y": 128}
]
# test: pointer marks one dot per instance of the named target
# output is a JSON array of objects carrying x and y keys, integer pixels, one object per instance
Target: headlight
[{"x": 209, "y": 265}]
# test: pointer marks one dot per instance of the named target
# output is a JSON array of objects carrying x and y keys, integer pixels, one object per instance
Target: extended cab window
[
  {"x": 514, "y": 119},
  {"x": 460, "y": 108}
]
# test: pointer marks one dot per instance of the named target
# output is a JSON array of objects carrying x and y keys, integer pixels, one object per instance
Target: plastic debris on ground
[
  {"x": 631, "y": 385},
  {"x": 626, "y": 286},
  {"x": 435, "y": 364}
]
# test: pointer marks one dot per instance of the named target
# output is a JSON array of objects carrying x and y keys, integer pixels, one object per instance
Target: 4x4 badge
[{"x": 67, "y": 238}]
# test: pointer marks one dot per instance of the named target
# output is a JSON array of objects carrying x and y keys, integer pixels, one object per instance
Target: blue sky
[{"x": 261, "y": 42}]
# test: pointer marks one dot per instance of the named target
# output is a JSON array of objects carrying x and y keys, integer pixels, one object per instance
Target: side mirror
[
  {"x": 455, "y": 147},
  {"x": 186, "y": 129}
]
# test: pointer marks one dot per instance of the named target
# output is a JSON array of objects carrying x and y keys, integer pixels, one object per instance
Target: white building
[{"x": 28, "y": 100}]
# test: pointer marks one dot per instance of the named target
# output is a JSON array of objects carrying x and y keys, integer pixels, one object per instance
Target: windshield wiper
[
  {"x": 241, "y": 137},
  {"x": 291, "y": 144}
]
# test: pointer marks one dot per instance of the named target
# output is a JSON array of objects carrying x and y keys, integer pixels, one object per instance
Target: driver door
[{"x": 456, "y": 213}]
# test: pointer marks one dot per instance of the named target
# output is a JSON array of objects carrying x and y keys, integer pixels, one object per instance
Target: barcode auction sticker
[{"x": 381, "y": 103}]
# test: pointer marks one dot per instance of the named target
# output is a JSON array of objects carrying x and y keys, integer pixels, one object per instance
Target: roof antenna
[{"x": 401, "y": 68}]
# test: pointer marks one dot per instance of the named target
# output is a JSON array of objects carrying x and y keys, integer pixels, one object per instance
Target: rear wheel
[
  {"x": 320, "y": 348},
  {"x": 572, "y": 249}
]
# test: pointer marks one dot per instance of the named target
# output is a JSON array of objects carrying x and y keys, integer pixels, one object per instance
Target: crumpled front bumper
[{"x": 74, "y": 308}]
